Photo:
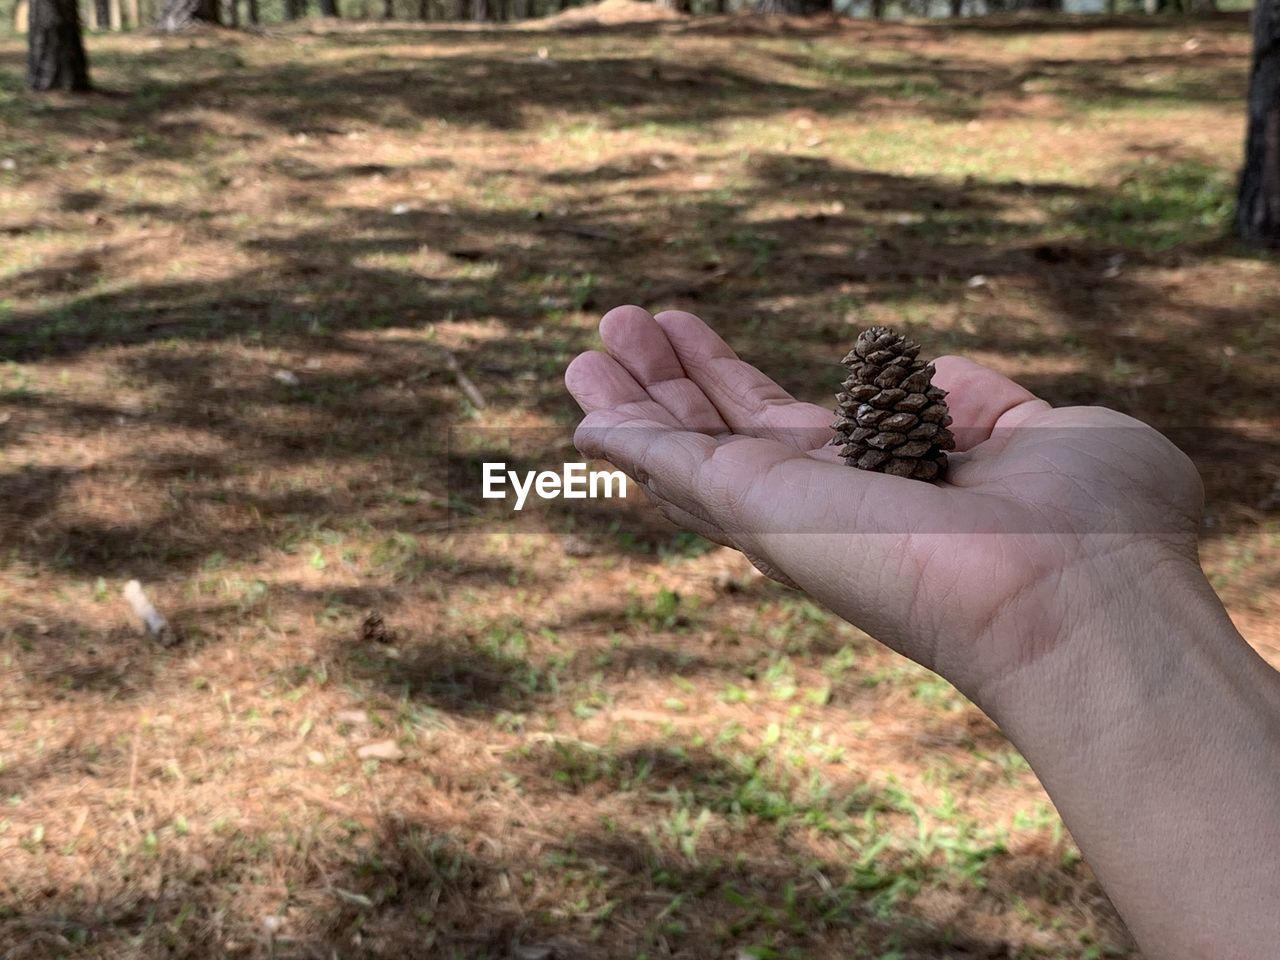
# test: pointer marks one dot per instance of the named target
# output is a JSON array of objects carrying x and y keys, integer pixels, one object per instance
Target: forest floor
[{"x": 231, "y": 288}]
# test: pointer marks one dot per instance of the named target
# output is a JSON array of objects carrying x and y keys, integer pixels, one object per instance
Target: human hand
[
  {"x": 1052, "y": 578},
  {"x": 1047, "y": 517}
]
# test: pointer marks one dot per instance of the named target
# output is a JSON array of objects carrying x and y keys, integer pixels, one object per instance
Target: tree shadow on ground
[
  {"x": 502, "y": 90},
  {"x": 1221, "y": 22},
  {"x": 783, "y": 260},
  {"x": 395, "y": 885},
  {"x": 383, "y": 403},
  {"x": 461, "y": 91}
]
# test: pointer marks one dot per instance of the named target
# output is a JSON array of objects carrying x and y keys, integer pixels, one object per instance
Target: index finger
[{"x": 750, "y": 402}]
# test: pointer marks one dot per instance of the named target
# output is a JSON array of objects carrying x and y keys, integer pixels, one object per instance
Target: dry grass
[{"x": 617, "y": 742}]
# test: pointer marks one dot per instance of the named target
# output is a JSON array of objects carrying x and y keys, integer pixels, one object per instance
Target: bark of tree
[
  {"x": 957, "y": 9},
  {"x": 388, "y": 9},
  {"x": 329, "y": 8},
  {"x": 519, "y": 9},
  {"x": 184, "y": 14},
  {"x": 479, "y": 10},
  {"x": 251, "y": 11},
  {"x": 55, "y": 49},
  {"x": 1258, "y": 207},
  {"x": 102, "y": 14},
  {"x": 233, "y": 14},
  {"x": 877, "y": 9}
]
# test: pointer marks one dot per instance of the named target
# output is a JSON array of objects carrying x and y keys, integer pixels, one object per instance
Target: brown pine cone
[{"x": 890, "y": 417}]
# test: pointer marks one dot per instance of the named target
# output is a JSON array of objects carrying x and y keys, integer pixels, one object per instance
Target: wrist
[
  {"x": 1156, "y": 731},
  {"x": 1138, "y": 630}
]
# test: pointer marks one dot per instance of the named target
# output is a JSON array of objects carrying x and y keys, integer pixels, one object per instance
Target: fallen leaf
[
  {"x": 382, "y": 750},
  {"x": 575, "y": 546}
]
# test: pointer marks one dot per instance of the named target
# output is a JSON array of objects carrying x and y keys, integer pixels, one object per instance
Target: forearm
[{"x": 1156, "y": 731}]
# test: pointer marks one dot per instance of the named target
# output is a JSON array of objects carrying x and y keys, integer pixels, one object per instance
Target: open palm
[{"x": 1045, "y": 513}]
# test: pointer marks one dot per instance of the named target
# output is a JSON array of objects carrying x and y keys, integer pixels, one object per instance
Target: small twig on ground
[
  {"x": 133, "y": 760},
  {"x": 587, "y": 233},
  {"x": 152, "y": 619},
  {"x": 327, "y": 803},
  {"x": 358, "y": 899},
  {"x": 465, "y": 383}
]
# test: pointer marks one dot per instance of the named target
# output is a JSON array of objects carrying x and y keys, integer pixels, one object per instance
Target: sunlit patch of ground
[{"x": 230, "y": 296}]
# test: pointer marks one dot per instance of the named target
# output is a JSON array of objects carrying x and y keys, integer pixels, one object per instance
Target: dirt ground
[{"x": 231, "y": 290}]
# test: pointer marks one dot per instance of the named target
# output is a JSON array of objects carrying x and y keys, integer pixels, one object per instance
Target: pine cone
[
  {"x": 890, "y": 417},
  {"x": 374, "y": 629}
]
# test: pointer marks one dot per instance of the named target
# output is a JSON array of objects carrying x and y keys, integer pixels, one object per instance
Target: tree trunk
[
  {"x": 55, "y": 49},
  {"x": 800, "y": 8},
  {"x": 233, "y": 14},
  {"x": 388, "y": 9},
  {"x": 329, "y": 8},
  {"x": 134, "y": 8},
  {"x": 251, "y": 11},
  {"x": 957, "y": 9},
  {"x": 479, "y": 10},
  {"x": 877, "y": 9},
  {"x": 20, "y": 16},
  {"x": 519, "y": 9},
  {"x": 102, "y": 14},
  {"x": 1258, "y": 209},
  {"x": 184, "y": 14}
]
